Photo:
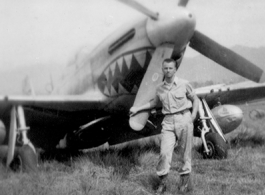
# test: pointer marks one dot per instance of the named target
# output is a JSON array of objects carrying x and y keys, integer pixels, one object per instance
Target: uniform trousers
[{"x": 177, "y": 129}]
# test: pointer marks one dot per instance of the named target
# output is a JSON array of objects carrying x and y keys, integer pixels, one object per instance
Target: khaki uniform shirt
[{"x": 175, "y": 96}]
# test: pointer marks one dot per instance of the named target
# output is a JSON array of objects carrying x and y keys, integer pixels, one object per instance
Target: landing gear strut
[
  {"x": 214, "y": 144},
  {"x": 18, "y": 129}
]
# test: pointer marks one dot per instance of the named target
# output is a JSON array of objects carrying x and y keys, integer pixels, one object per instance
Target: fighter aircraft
[{"x": 91, "y": 105}]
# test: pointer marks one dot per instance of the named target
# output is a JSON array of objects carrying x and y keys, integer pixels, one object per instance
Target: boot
[
  {"x": 185, "y": 183},
  {"x": 162, "y": 185}
]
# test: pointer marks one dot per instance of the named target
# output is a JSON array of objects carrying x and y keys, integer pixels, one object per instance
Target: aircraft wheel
[
  {"x": 28, "y": 158},
  {"x": 2, "y": 132},
  {"x": 217, "y": 146}
]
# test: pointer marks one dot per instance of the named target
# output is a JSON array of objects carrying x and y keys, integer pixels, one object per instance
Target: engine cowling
[{"x": 229, "y": 117}]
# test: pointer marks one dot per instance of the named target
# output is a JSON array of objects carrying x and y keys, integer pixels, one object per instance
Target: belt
[{"x": 179, "y": 112}]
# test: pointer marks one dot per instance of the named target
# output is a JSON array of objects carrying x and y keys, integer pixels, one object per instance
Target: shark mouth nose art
[{"x": 124, "y": 74}]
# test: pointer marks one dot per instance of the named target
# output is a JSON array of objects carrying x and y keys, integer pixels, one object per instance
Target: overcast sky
[{"x": 44, "y": 32}]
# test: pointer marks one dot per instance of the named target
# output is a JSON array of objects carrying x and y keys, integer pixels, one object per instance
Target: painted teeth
[
  {"x": 121, "y": 66},
  {"x": 106, "y": 91},
  {"x": 128, "y": 60},
  {"x": 122, "y": 90},
  {"x": 113, "y": 92},
  {"x": 135, "y": 89},
  {"x": 140, "y": 59},
  {"x": 119, "y": 62},
  {"x": 112, "y": 68}
]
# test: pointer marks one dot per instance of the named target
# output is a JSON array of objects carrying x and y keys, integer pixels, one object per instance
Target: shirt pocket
[{"x": 179, "y": 99}]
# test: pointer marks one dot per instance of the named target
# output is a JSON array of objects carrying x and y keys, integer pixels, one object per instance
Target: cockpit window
[{"x": 126, "y": 37}]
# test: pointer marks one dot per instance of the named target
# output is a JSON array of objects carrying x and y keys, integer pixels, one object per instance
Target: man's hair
[{"x": 169, "y": 60}]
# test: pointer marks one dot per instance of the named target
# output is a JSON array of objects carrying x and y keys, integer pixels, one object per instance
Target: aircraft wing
[
  {"x": 93, "y": 100},
  {"x": 232, "y": 94}
]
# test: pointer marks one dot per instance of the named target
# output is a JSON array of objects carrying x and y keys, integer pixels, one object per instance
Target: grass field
[{"x": 131, "y": 170}]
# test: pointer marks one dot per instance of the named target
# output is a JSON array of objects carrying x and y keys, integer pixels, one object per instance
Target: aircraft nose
[{"x": 175, "y": 27}]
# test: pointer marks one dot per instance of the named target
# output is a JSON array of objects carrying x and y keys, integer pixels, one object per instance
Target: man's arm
[
  {"x": 195, "y": 107},
  {"x": 195, "y": 101}
]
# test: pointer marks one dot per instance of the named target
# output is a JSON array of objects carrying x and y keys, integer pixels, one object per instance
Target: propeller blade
[
  {"x": 226, "y": 57},
  {"x": 147, "y": 89},
  {"x": 140, "y": 8},
  {"x": 183, "y": 3}
]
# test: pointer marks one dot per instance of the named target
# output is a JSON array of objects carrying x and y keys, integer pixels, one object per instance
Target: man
[{"x": 177, "y": 98}]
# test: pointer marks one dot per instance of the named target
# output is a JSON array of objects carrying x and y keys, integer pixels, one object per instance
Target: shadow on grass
[
  {"x": 248, "y": 138},
  {"x": 148, "y": 181},
  {"x": 248, "y": 134},
  {"x": 59, "y": 155},
  {"x": 123, "y": 161},
  {"x": 244, "y": 140}
]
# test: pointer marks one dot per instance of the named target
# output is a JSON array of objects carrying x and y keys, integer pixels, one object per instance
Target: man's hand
[{"x": 133, "y": 111}]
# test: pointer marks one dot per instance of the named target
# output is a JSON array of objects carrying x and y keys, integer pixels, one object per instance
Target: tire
[
  {"x": 28, "y": 158},
  {"x": 217, "y": 146}
]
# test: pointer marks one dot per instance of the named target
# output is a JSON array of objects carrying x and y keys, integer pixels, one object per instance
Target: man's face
[{"x": 169, "y": 69}]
